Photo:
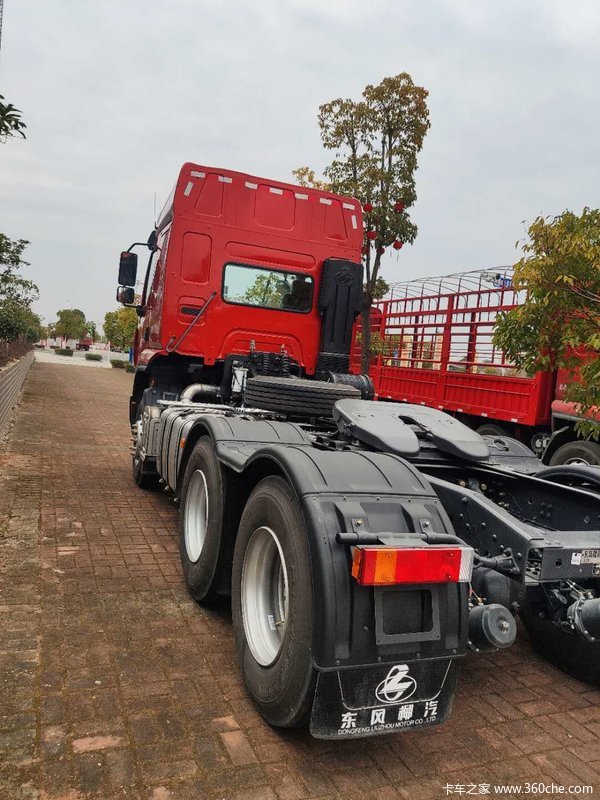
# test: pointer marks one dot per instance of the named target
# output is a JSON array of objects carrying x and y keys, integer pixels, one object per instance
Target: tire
[
  {"x": 577, "y": 452},
  {"x": 490, "y": 429},
  {"x": 569, "y": 652},
  {"x": 296, "y": 396},
  {"x": 276, "y": 663},
  {"x": 144, "y": 474},
  {"x": 204, "y": 549}
]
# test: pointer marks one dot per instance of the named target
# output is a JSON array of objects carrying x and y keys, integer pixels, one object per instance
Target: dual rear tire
[
  {"x": 572, "y": 653},
  {"x": 269, "y": 569}
]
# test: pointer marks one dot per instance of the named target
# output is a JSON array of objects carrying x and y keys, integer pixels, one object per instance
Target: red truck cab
[{"x": 241, "y": 265}]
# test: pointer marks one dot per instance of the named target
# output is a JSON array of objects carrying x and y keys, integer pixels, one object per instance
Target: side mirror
[
  {"x": 127, "y": 269},
  {"x": 125, "y": 295},
  {"x": 153, "y": 241}
]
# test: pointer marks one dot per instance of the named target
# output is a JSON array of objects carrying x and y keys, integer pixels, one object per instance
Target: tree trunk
[{"x": 365, "y": 318}]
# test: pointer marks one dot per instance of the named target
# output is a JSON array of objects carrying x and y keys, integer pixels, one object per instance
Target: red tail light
[{"x": 377, "y": 566}]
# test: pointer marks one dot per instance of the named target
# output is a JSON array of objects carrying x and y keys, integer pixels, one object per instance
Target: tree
[
  {"x": 376, "y": 142},
  {"x": 267, "y": 290},
  {"x": 119, "y": 327},
  {"x": 17, "y": 294},
  {"x": 12, "y": 285},
  {"x": 18, "y": 321},
  {"x": 92, "y": 330},
  {"x": 558, "y": 326},
  {"x": 71, "y": 323},
  {"x": 11, "y": 123}
]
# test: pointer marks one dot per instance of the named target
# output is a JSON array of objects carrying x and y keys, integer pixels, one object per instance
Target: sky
[{"x": 117, "y": 95}]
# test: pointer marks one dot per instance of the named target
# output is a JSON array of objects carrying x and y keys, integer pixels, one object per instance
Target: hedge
[
  {"x": 63, "y": 351},
  {"x": 130, "y": 368},
  {"x": 118, "y": 363},
  {"x": 93, "y": 357}
]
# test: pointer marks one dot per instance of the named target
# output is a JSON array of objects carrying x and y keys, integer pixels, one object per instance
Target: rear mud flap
[{"x": 373, "y": 700}]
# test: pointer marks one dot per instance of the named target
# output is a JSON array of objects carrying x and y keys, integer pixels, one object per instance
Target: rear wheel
[
  {"x": 204, "y": 550},
  {"x": 577, "y": 452},
  {"x": 272, "y": 604},
  {"x": 570, "y": 652}
]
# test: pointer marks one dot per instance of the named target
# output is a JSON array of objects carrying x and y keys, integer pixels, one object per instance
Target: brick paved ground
[{"x": 116, "y": 685}]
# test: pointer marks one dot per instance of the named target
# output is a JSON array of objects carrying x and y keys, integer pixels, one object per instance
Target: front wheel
[
  {"x": 272, "y": 604},
  {"x": 144, "y": 473}
]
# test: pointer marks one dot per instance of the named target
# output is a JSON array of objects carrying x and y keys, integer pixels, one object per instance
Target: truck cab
[{"x": 245, "y": 269}]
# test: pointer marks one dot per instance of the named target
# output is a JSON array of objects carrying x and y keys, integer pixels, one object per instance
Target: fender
[{"x": 358, "y": 491}]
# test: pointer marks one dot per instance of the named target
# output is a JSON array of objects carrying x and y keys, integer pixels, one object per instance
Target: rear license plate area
[{"x": 405, "y": 615}]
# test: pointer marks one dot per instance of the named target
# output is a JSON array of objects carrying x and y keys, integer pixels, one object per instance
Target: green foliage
[
  {"x": 93, "y": 357},
  {"x": 376, "y": 141},
  {"x": 118, "y": 363},
  {"x": 11, "y": 123},
  {"x": 267, "y": 290},
  {"x": 17, "y": 320},
  {"x": 63, "y": 351},
  {"x": 92, "y": 330},
  {"x": 71, "y": 323},
  {"x": 380, "y": 289},
  {"x": 305, "y": 176},
  {"x": 129, "y": 367},
  {"x": 559, "y": 324},
  {"x": 120, "y": 326}
]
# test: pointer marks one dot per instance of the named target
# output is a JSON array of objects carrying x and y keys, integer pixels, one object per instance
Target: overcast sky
[{"x": 117, "y": 95}]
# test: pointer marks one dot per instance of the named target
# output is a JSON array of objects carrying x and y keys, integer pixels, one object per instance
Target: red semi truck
[
  {"x": 365, "y": 545},
  {"x": 435, "y": 341},
  {"x": 84, "y": 344}
]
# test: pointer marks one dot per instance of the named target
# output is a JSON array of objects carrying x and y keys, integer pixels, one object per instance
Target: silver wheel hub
[
  {"x": 264, "y": 596},
  {"x": 196, "y": 515},
  {"x": 137, "y": 433}
]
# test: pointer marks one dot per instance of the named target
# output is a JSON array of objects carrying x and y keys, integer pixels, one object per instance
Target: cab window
[{"x": 267, "y": 288}]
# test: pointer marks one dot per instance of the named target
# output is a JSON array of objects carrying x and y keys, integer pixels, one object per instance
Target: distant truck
[
  {"x": 84, "y": 344},
  {"x": 434, "y": 338}
]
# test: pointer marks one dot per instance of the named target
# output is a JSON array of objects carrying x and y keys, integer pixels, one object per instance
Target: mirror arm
[{"x": 145, "y": 289}]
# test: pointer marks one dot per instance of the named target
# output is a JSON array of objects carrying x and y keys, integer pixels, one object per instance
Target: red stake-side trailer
[{"x": 436, "y": 349}]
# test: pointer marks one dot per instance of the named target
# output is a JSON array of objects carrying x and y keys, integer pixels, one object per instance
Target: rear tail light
[{"x": 378, "y": 566}]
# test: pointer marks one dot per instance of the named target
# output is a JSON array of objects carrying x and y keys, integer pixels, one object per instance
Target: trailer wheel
[
  {"x": 204, "y": 554},
  {"x": 272, "y": 604},
  {"x": 296, "y": 396},
  {"x": 491, "y": 430},
  {"x": 577, "y": 452},
  {"x": 570, "y": 652}
]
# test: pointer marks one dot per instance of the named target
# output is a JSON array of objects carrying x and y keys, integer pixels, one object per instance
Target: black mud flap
[{"x": 374, "y": 700}]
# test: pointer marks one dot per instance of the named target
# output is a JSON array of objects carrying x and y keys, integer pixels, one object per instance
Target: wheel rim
[
  {"x": 196, "y": 515},
  {"x": 264, "y": 596},
  {"x": 137, "y": 435}
]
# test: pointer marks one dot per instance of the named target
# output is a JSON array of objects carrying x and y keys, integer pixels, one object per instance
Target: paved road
[{"x": 115, "y": 684}]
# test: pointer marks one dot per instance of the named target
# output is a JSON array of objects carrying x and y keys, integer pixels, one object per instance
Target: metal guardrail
[{"x": 12, "y": 378}]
